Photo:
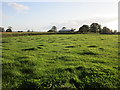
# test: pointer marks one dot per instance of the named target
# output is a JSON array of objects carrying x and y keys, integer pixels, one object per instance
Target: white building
[{"x": 66, "y": 30}]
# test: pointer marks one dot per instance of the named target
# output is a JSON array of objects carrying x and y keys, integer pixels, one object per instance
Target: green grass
[{"x": 60, "y": 61}]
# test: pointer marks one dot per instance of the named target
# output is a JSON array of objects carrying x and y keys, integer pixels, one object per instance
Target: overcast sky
[{"x": 43, "y": 15}]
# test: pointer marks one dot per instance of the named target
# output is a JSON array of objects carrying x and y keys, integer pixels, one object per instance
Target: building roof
[{"x": 65, "y": 30}]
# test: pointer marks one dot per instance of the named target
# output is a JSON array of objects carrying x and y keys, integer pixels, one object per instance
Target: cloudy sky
[{"x": 42, "y": 16}]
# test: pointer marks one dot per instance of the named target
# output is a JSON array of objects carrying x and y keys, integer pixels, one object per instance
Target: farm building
[{"x": 66, "y": 30}]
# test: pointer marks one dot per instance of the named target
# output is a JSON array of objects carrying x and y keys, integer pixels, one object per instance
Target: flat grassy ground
[{"x": 60, "y": 61}]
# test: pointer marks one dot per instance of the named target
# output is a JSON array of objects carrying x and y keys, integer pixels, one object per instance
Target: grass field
[{"x": 60, "y": 61}]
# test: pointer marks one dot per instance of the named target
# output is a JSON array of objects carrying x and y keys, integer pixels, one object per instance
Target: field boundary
[{"x": 11, "y": 34}]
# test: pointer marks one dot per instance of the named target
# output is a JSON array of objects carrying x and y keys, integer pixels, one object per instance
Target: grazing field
[{"x": 60, "y": 61}]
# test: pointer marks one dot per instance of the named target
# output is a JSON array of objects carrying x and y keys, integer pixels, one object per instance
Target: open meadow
[{"x": 60, "y": 61}]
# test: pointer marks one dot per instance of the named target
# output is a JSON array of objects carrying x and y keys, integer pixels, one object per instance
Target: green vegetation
[
  {"x": 53, "y": 29},
  {"x": 60, "y": 61},
  {"x": 9, "y": 29}
]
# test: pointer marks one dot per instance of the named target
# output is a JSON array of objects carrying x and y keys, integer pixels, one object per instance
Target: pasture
[{"x": 60, "y": 61}]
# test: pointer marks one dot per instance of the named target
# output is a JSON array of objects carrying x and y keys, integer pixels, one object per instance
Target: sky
[{"x": 41, "y": 16}]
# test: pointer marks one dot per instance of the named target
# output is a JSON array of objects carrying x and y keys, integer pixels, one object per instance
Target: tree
[
  {"x": 9, "y": 29},
  {"x": 115, "y": 32},
  {"x": 95, "y": 27},
  {"x": 20, "y": 31},
  {"x": 72, "y": 29},
  {"x": 53, "y": 29},
  {"x": 105, "y": 30},
  {"x": 84, "y": 29},
  {"x": 2, "y": 29},
  {"x": 63, "y": 27},
  {"x": 28, "y": 30}
]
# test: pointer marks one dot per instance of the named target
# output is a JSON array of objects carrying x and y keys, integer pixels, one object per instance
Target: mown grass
[{"x": 60, "y": 61}]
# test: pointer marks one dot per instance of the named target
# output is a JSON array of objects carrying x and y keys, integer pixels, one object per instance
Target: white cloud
[{"x": 19, "y": 7}]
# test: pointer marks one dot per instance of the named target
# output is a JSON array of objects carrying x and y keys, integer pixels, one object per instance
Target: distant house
[{"x": 66, "y": 30}]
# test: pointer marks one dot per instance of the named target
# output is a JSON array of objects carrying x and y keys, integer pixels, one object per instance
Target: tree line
[
  {"x": 93, "y": 28},
  {"x": 96, "y": 28},
  {"x": 8, "y": 30}
]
